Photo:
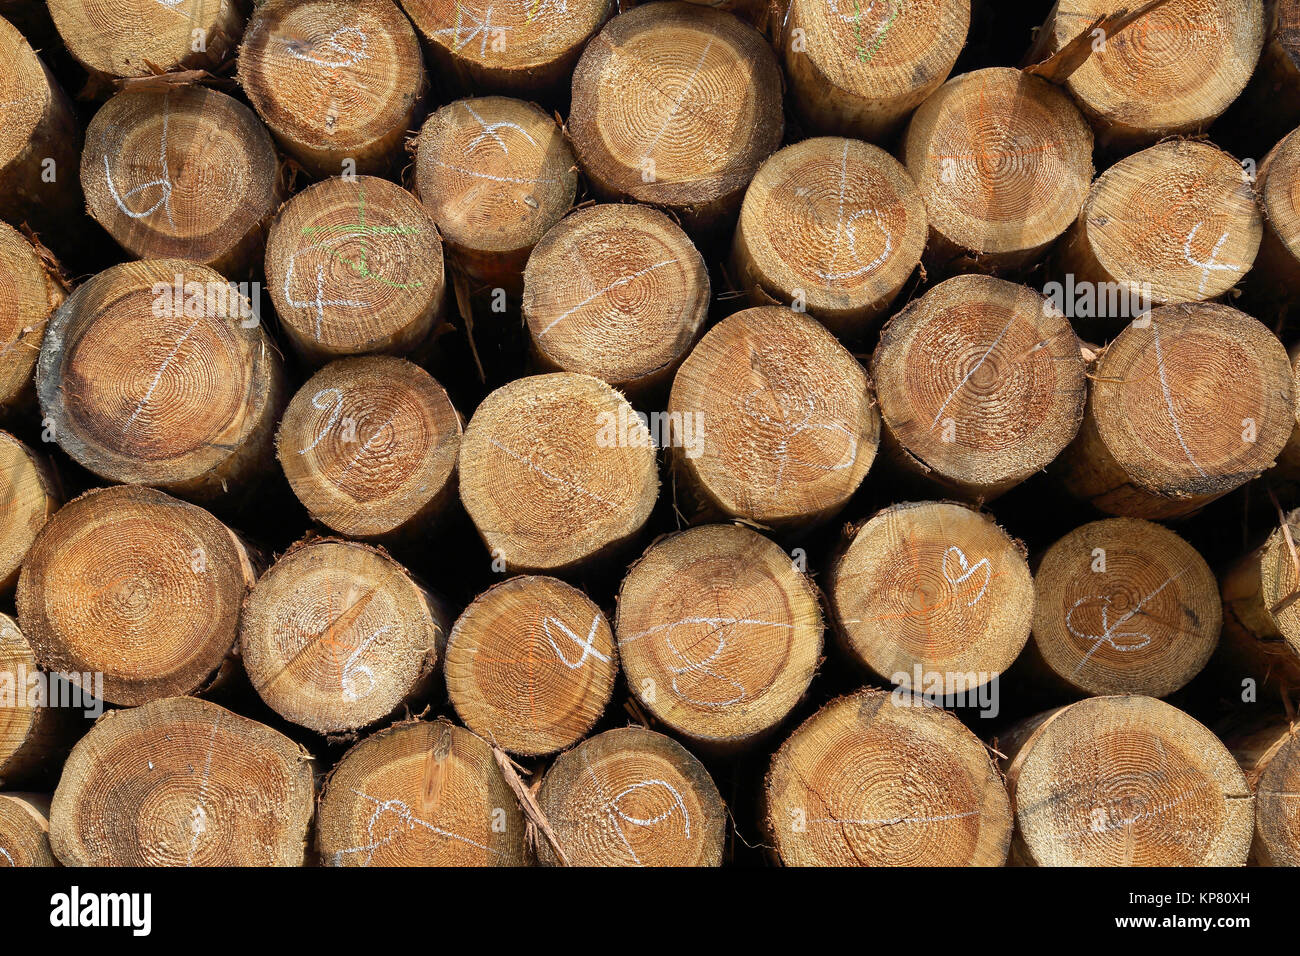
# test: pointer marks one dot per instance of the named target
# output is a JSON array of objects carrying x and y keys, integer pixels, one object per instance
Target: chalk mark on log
[
  {"x": 349, "y": 57},
  {"x": 1169, "y": 399},
  {"x": 405, "y": 816},
  {"x": 199, "y": 815},
  {"x": 614, "y": 812},
  {"x": 1108, "y": 634},
  {"x": 587, "y": 646},
  {"x": 1211, "y": 264},
  {"x": 617, "y": 283},
  {"x": 163, "y": 182},
  {"x": 565, "y": 482},
  {"x": 968, "y": 570},
  {"x": 162, "y": 369}
]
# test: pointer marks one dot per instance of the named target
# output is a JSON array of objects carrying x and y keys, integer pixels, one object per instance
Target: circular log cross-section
[
  {"x": 531, "y": 665},
  {"x": 334, "y": 82},
  {"x": 135, "y": 585},
  {"x": 556, "y": 470},
  {"x": 1174, "y": 70},
  {"x": 1261, "y": 619},
  {"x": 676, "y": 105},
  {"x": 182, "y": 782},
  {"x": 1270, "y": 757},
  {"x": 833, "y": 226},
  {"x": 875, "y": 779},
  {"x": 33, "y": 740},
  {"x": 1126, "y": 781},
  {"x": 369, "y": 446},
  {"x": 1125, "y": 606},
  {"x": 421, "y": 793},
  {"x": 523, "y": 49},
  {"x": 618, "y": 292},
  {"x": 1173, "y": 223},
  {"x": 859, "y": 70},
  {"x": 932, "y": 594},
  {"x": 116, "y": 38},
  {"x": 28, "y": 294},
  {"x": 154, "y": 373},
  {"x": 495, "y": 174},
  {"x": 354, "y": 265},
  {"x": 772, "y": 420},
  {"x": 981, "y": 384},
  {"x": 24, "y": 832},
  {"x": 1004, "y": 160},
  {"x": 632, "y": 797},
  {"x": 337, "y": 636},
  {"x": 719, "y": 634},
  {"x": 188, "y": 173},
  {"x": 1277, "y": 264},
  {"x": 30, "y": 493},
  {"x": 1188, "y": 403}
]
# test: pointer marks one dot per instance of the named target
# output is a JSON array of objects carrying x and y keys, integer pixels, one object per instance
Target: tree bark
[
  {"x": 30, "y": 489},
  {"x": 30, "y": 290}
]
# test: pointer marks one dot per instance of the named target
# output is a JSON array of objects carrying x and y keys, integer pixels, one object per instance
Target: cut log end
[
  {"x": 28, "y": 294},
  {"x": 30, "y": 490},
  {"x": 632, "y": 797},
  {"x": 34, "y": 735},
  {"x": 531, "y": 665},
  {"x": 1277, "y": 185},
  {"x": 555, "y": 470},
  {"x": 1270, "y": 756},
  {"x": 718, "y": 633},
  {"x": 369, "y": 446},
  {"x": 119, "y": 38},
  {"x": 877, "y": 780},
  {"x": 773, "y": 420},
  {"x": 24, "y": 832}
]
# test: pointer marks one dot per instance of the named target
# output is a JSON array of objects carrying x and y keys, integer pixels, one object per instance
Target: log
[
  {"x": 618, "y": 292},
  {"x": 1003, "y": 160},
  {"x": 369, "y": 446},
  {"x": 25, "y": 831},
  {"x": 186, "y": 172},
  {"x": 556, "y": 471},
  {"x": 1173, "y": 71},
  {"x": 339, "y": 85},
  {"x": 632, "y": 797},
  {"x": 29, "y": 291},
  {"x": 861, "y": 71},
  {"x": 495, "y": 174},
  {"x": 35, "y": 733},
  {"x": 421, "y": 793},
  {"x": 40, "y": 142},
  {"x": 119, "y": 38},
  {"x": 1270, "y": 757},
  {"x": 719, "y": 634},
  {"x": 1261, "y": 620},
  {"x": 338, "y": 636},
  {"x": 519, "y": 49},
  {"x": 182, "y": 782},
  {"x": 1186, "y": 404},
  {"x": 133, "y": 584},
  {"x": 31, "y": 493},
  {"x": 1125, "y": 781},
  {"x": 1275, "y": 278},
  {"x": 676, "y": 105},
  {"x": 981, "y": 384},
  {"x": 932, "y": 590},
  {"x": 831, "y": 226},
  {"x": 1125, "y": 606},
  {"x": 157, "y": 373},
  {"x": 772, "y": 421},
  {"x": 1173, "y": 223},
  {"x": 354, "y": 266},
  {"x": 531, "y": 665},
  {"x": 879, "y": 779}
]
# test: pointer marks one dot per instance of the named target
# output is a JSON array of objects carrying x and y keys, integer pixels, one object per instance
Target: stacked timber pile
[{"x": 561, "y": 432}]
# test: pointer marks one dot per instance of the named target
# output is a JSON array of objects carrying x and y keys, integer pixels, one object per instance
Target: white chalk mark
[
  {"x": 319, "y": 302},
  {"x": 365, "y": 447},
  {"x": 790, "y": 429},
  {"x": 564, "y": 482},
  {"x": 490, "y": 130},
  {"x": 587, "y": 646},
  {"x": 163, "y": 182},
  {"x": 894, "y": 821},
  {"x": 489, "y": 176},
  {"x": 681, "y": 97},
  {"x": 974, "y": 368},
  {"x": 405, "y": 817},
  {"x": 615, "y": 814},
  {"x": 1097, "y": 827},
  {"x": 1209, "y": 265},
  {"x": 1169, "y": 399},
  {"x": 331, "y": 397},
  {"x": 1134, "y": 640},
  {"x": 616, "y": 284},
  {"x": 5, "y": 853},
  {"x": 967, "y": 571},
  {"x": 352, "y": 667},
  {"x": 483, "y": 29},
  {"x": 1109, "y": 629},
  {"x": 347, "y": 56},
  {"x": 162, "y": 369},
  {"x": 843, "y": 227},
  {"x": 199, "y": 815}
]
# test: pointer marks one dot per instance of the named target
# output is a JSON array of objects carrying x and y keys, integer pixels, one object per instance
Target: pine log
[
  {"x": 495, "y": 174},
  {"x": 859, "y": 71},
  {"x": 831, "y": 226},
  {"x": 369, "y": 446},
  {"x": 719, "y": 634},
  {"x": 156, "y": 373},
  {"x": 1269, "y": 755},
  {"x": 421, "y": 793},
  {"x": 29, "y": 494},
  {"x": 879, "y": 779},
  {"x": 927, "y": 589},
  {"x": 1188, "y": 403},
  {"x": 338, "y": 84},
  {"x": 338, "y": 636},
  {"x": 1288, "y": 459},
  {"x": 182, "y": 782},
  {"x": 632, "y": 797},
  {"x": 615, "y": 291},
  {"x": 354, "y": 266},
  {"x": 556, "y": 471},
  {"x": 25, "y": 831},
  {"x": 1276, "y": 275},
  {"x": 981, "y": 385},
  {"x": 676, "y": 105},
  {"x": 1269, "y": 107},
  {"x": 531, "y": 665},
  {"x": 1125, "y": 781},
  {"x": 29, "y": 292},
  {"x": 1261, "y": 619},
  {"x": 138, "y": 586},
  {"x": 1003, "y": 160},
  {"x": 772, "y": 421},
  {"x": 35, "y": 732},
  {"x": 187, "y": 172},
  {"x": 1125, "y": 606}
]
